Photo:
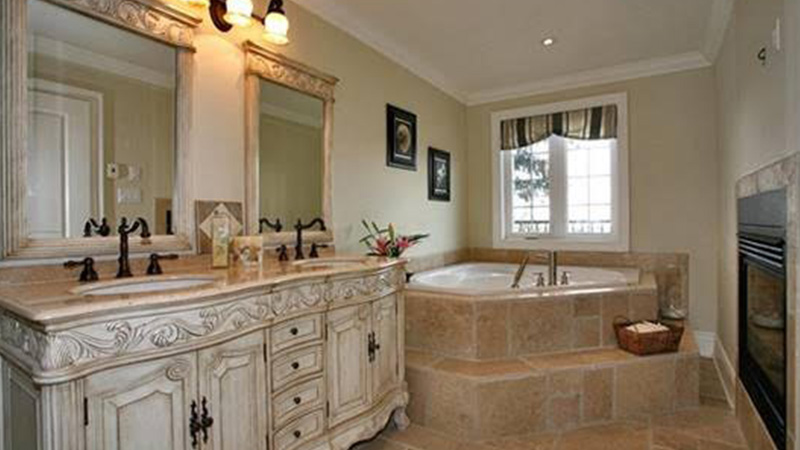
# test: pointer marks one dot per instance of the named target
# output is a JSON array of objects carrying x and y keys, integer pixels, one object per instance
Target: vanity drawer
[
  {"x": 295, "y": 365},
  {"x": 296, "y": 332},
  {"x": 300, "y": 431},
  {"x": 296, "y": 401}
]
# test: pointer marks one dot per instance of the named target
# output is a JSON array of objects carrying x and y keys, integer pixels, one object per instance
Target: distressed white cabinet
[
  {"x": 348, "y": 362},
  {"x": 146, "y": 405},
  {"x": 313, "y": 365},
  {"x": 232, "y": 383}
]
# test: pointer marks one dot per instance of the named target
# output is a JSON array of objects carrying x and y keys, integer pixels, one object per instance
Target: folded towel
[{"x": 647, "y": 327}]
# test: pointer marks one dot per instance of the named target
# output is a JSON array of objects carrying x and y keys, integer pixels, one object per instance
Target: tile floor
[{"x": 710, "y": 427}]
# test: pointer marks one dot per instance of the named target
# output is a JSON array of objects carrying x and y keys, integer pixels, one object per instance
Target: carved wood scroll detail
[
  {"x": 156, "y": 20},
  {"x": 87, "y": 344},
  {"x": 287, "y": 72}
]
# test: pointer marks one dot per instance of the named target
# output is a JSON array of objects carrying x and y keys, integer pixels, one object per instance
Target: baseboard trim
[
  {"x": 705, "y": 343},
  {"x": 726, "y": 371}
]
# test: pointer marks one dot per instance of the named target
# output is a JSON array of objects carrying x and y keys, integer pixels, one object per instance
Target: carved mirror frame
[
  {"x": 150, "y": 18},
  {"x": 262, "y": 63}
]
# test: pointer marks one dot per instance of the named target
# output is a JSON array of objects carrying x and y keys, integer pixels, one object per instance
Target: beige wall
[
  {"x": 363, "y": 187},
  {"x": 757, "y": 125},
  {"x": 290, "y": 164},
  {"x": 673, "y": 173}
]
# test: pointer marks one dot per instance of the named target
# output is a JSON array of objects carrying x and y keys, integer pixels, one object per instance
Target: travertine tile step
[{"x": 548, "y": 393}]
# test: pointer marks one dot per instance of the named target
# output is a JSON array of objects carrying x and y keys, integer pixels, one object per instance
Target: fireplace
[{"x": 762, "y": 307}]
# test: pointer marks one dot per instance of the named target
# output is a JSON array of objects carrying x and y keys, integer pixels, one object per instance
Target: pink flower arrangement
[{"x": 386, "y": 242}]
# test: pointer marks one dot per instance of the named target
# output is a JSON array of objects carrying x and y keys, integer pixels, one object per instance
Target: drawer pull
[
  {"x": 295, "y": 365},
  {"x": 297, "y": 434},
  {"x": 294, "y": 331},
  {"x": 297, "y": 400}
]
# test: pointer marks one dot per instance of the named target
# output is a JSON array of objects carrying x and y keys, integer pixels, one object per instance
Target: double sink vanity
[
  {"x": 289, "y": 356},
  {"x": 282, "y": 356}
]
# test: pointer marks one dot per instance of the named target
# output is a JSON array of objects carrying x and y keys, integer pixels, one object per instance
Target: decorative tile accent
[{"x": 205, "y": 210}]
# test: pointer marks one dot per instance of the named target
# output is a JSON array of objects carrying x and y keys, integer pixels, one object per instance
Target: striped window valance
[{"x": 592, "y": 123}]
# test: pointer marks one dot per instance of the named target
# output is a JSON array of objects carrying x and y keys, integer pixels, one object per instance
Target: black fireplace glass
[{"x": 766, "y": 324}]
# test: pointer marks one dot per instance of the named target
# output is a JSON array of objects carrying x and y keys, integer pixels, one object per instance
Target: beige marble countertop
[{"x": 47, "y": 303}]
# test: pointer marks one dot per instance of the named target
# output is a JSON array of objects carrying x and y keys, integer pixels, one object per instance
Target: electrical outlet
[{"x": 129, "y": 195}]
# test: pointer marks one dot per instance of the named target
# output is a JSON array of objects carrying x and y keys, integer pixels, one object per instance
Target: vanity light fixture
[{"x": 227, "y": 13}]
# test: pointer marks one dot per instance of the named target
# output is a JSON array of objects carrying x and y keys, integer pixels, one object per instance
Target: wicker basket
[{"x": 647, "y": 343}]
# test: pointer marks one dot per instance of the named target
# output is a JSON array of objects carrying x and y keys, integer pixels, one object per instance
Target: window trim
[{"x": 617, "y": 242}]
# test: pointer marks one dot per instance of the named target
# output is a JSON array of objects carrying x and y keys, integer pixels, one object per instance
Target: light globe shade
[
  {"x": 239, "y": 12},
  {"x": 276, "y": 28}
]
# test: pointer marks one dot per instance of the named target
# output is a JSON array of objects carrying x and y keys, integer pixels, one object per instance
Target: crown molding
[
  {"x": 337, "y": 16},
  {"x": 622, "y": 72},
  {"x": 721, "y": 12}
]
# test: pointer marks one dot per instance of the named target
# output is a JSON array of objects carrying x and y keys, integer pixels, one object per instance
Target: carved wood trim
[
  {"x": 154, "y": 19},
  {"x": 263, "y": 63},
  {"x": 150, "y": 18},
  {"x": 75, "y": 351}
]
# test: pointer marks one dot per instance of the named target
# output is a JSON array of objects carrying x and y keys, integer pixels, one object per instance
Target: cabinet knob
[
  {"x": 297, "y": 434},
  {"x": 294, "y": 331},
  {"x": 295, "y": 365},
  {"x": 297, "y": 400}
]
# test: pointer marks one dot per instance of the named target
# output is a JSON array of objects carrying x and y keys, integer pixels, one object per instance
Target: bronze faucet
[
  {"x": 124, "y": 230},
  {"x": 92, "y": 226},
  {"x": 299, "y": 227},
  {"x": 263, "y": 223}
]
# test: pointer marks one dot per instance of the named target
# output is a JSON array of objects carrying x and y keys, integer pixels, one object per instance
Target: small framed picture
[
  {"x": 401, "y": 138},
  {"x": 438, "y": 175}
]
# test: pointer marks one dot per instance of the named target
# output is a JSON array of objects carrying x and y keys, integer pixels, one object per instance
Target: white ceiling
[{"x": 484, "y": 50}]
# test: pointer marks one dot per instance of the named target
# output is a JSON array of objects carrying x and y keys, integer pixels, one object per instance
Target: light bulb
[
  {"x": 276, "y": 28},
  {"x": 239, "y": 12}
]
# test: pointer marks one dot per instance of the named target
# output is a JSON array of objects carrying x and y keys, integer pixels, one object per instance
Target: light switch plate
[{"x": 112, "y": 171}]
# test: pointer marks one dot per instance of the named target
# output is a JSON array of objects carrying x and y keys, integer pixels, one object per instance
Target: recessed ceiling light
[{"x": 548, "y": 42}]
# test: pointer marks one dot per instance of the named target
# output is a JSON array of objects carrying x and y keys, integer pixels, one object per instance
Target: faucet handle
[
  {"x": 155, "y": 268},
  {"x": 315, "y": 249},
  {"x": 282, "y": 253},
  {"x": 540, "y": 281},
  {"x": 566, "y": 276},
  {"x": 88, "y": 273}
]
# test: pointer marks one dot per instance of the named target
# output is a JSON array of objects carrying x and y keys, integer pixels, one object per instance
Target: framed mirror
[
  {"x": 98, "y": 120},
  {"x": 289, "y": 144}
]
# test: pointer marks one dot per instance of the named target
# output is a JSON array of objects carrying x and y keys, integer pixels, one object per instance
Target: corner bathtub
[
  {"x": 469, "y": 311},
  {"x": 495, "y": 279}
]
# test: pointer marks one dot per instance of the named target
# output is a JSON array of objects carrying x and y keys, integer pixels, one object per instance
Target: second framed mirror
[{"x": 289, "y": 144}]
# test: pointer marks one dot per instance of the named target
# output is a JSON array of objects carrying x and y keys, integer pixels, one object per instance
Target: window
[{"x": 561, "y": 192}]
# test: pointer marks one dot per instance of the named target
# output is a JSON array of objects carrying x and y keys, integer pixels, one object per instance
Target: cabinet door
[
  {"x": 233, "y": 382},
  {"x": 21, "y": 410},
  {"x": 142, "y": 406},
  {"x": 385, "y": 367},
  {"x": 347, "y": 363}
]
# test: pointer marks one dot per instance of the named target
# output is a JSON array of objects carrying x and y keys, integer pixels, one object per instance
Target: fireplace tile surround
[{"x": 778, "y": 175}]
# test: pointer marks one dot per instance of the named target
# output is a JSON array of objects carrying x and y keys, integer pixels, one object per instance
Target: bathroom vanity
[{"x": 291, "y": 356}]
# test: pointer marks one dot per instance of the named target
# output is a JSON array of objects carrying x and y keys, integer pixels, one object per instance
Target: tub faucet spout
[
  {"x": 520, "y": 272},
  {"x": 552, "y": 268}
]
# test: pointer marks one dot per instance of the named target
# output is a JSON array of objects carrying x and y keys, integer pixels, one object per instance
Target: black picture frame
[
  {"x": 439, "y": 175},
  {"x": 401, "y": 138}
]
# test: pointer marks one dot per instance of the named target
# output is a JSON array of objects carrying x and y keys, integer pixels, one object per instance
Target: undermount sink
[
  {"x": 330, "y": 262},
  {"x": 144, "y": 285}
]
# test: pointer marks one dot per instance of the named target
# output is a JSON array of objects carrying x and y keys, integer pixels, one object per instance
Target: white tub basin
[{"x": 145, "y": 285}]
